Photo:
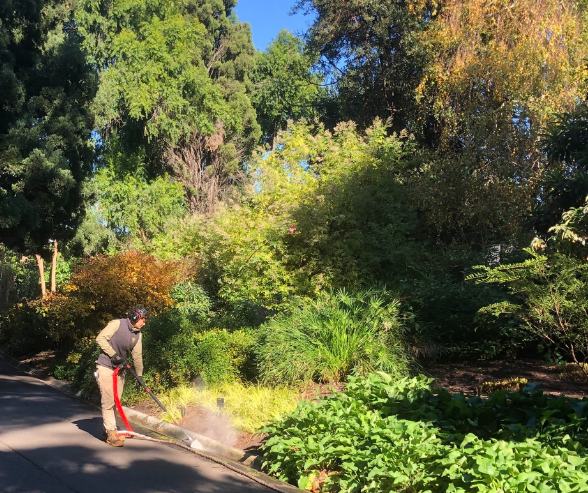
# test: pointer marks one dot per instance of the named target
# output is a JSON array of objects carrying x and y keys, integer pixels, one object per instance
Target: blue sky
[{"x": 267, "y": 17}]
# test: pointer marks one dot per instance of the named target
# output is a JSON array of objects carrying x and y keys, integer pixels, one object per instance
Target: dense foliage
[
  {"x": 286, "y": 88},
  {"x": 368, "y": 50},
  {"x": 45, "y": 125},
  {"x": 337, "y": 335},
  {"x": 386, "y": 435},
  {"x": 326, "y": 210},
  {"x": 175, "y": 86},
  {"x": 138, "y": 211},
  {"x": 551, "y": 292},
  {"x": 359, "y": 198},
  {"x": 99, "y": 290}
]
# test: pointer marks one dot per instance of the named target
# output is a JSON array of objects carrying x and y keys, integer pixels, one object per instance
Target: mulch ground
[
  {"x": 40, "y": 361},
  {"x": 465, "y": 377}
]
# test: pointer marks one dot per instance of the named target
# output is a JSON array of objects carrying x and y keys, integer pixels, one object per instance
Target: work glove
[
  {"x": 117, "y": 359},
  {"x": 141, "y": 381}
]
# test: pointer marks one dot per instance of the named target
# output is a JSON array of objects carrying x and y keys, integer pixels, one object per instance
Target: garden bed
[
  {"x": 383, "y": 434},
  {"x": 217, "y": 426},
  {"x": 212, "y": 425},
  {"x": 465, "y": 377},
  {"x": 454, "y": 377}
]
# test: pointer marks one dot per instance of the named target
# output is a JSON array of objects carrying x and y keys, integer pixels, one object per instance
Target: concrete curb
[
  {"x": 209, "y": 445},
  {"x": 248, "y": 463}
]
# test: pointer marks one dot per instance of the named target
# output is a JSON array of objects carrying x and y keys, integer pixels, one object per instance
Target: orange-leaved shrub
[
  {"x": 103, "y": 288},
  {"x": 111, "y": 285}
]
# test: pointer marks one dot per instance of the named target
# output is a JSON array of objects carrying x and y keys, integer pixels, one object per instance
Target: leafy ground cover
[{"x": 385, "y": 435}]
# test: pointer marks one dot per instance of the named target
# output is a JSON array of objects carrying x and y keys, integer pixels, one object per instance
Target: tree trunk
[
  {"x": 42, "y": 276},
  {"x": 5, "y": 280},
  {"x": 54, "y": 267}
]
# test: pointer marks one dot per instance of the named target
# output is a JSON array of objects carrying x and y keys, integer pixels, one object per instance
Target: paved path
[{"x": 49, "y": 444}]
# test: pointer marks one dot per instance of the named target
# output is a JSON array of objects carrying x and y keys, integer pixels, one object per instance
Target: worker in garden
[{"x": 118, "y": 340}]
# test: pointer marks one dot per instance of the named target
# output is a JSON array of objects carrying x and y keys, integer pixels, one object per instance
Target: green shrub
[
  {"x": 79, "y": 366},
  {"x": 169, "y": 351},
  {"x": 236, "y": 315},
  {"x": 338, "y": 335},
  {"x": 549, "y": 294},
  {"x": 385, "y": 435},
  {"x": 450, "y": 309},
  {"x": 191, "y": 300},
  {"x": 177, "y": 350},
  {"x": 23, "y": 331},
  {"x": 223, "y": 356}
]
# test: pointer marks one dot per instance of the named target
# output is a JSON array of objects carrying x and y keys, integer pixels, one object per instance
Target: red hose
[
  {"x": 130, "y": 433},
  {"x": 118, "y": 404}
]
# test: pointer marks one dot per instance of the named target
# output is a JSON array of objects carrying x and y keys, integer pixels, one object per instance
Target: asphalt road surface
[{"x": 49, "y": 443}]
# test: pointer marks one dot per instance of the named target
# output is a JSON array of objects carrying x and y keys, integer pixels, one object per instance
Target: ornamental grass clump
[
  {"x": 338, "y": 335},
  {"x": 248, "y": 407}
]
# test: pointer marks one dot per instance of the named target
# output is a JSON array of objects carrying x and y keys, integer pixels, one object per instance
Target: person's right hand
[{"x": 117, "y": 359}]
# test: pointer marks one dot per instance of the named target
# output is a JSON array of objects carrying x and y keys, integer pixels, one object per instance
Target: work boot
[{"x": 115, "y": 439}]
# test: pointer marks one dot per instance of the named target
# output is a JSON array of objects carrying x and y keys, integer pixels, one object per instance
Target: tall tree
[
  {"x": 476, "y": 81},
  {"x": 496, "y": 73},
  {"x": 175, "y": 83},
  {"x": 286, "y": 87},
  {"x": 45, "y": 124},
  {"x": 368, "y": 50}
]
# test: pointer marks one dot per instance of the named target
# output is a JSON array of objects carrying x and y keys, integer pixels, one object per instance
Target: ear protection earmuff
[{"x": 137, "y": 313}]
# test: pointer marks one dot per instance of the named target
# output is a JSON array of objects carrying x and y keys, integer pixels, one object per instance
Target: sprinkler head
[
  {"x": 220, "y": 402},
  {"x": 196, "y": 445}
]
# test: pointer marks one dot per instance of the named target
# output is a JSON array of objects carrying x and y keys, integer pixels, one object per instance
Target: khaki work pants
[{"x": 107, "y": 403}]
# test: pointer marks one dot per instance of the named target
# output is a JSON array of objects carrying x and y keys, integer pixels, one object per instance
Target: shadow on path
[{"x": 49, "y": 442}]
